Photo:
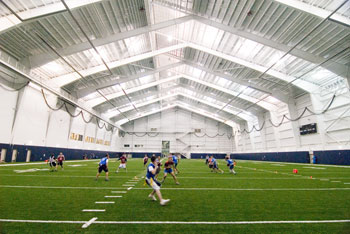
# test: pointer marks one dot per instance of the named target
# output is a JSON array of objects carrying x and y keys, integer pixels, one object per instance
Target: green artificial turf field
[{"x": 261, "y": 191}]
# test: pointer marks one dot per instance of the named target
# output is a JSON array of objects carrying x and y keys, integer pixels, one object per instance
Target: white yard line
[
  {"x": 130, "y": 188},
  {"x": 38, "y": 163},
  {"x": 317, "y": 165},
  {"x": 118, "y": 191},
  {"x": 179, "y": 222},
  {"x": 112, "y": 196},
  {"x": 52, "y": 175},
  {"x": 104, "y": 202},
  {"x": 251, "y": 189},
  {"x": 127, "y": 185},
  {"x": 335, "y": 181},
  {"x": 93, "y": 210},
  {"x": 85, "y": 225},
  {"x": 54, "y": 187},
  {"x": 318, "y": 168}
]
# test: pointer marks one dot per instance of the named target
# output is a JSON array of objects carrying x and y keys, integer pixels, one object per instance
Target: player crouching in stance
[
  {"x": 153, "y": 183},
  {"x": 103, "y": 165},
  {"x": 52, "y": 163},
  {"x": 230, "y": 164},
  {"x": 122, "y": 164},
  {"x": 168, "y": 168}
]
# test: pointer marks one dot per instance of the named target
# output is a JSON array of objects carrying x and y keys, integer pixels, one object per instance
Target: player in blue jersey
[
  {"x": 216, "y": 165},
  {"x": 153, "y": 183},
  {"x": 103, "y": 165},
  {"x": 230, "y": 164},
  {"x": 175, "y": 160}
]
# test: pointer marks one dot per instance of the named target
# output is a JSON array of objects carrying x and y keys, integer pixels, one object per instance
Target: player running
[
  {"x": 122, "y": 164},
  {"x": 168, "y": 168},
  {"x": 60, "y": 159},
  {"x": 153, "y": 183},
  {"x": 230, "y": 164},
  {"x": 216, "y": 165},
  {"x": 145, "y": 160},
  {"x": 103, "y": 165},
  {"x": 52, "y": 163}
]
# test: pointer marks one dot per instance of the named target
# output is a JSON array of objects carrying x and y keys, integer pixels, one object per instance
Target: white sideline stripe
[
  {"x": 324, "y": 179},
  {"x": 278, "y": 165},
  {"x": 55, "y": 187},
  {"x": 346, "y": 183},
  {"x": 252, "y": 189},
  {"x": 242, "y": 178},
  {"x": 48, "y": 176},
  {"x": 113, "y": 196},
  {"x": 89, "y": 222},
  {"x": 127, "y": 185},
  {"x": 104, "y": 202},
  {"x": 317, "y": 165},
  {"x": 318, "y": 168},
  {"x": 178, "y": 222},
  {"x": 93, "y": 210},
  {"x": 118, "y": 191},
  {"x": 28, "y": 164},
  {"x": 335, "y": 181}
]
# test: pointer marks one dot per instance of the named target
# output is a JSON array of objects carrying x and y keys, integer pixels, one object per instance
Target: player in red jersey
[
  {"x": 168, "y": 168},
  {"x": 145, "y": 160},
  {"x": 122, "y": 164},
  {"x": 159, "y": 165},
  {"x": 60, "y": 159}
]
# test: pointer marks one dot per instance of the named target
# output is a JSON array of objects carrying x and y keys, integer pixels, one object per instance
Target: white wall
[
  {"x": 35, "y": 124},
  {"x": 333, "y": 126},
  {"x": 177, "y": 126}
]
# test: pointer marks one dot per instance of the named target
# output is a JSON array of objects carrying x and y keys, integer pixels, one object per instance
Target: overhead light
[
  {"x": 170, "y": 38},
  {"x": 169, "y": 73},
  {"x": 54, "y": 67}
]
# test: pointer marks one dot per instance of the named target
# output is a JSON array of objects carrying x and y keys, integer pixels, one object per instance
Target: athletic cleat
[
  {"x": 164, "y": 202},
  {"x": 177, "y": 183},
  {"x": 153, "y": 197},
  {"x": 106, "y": 179}
]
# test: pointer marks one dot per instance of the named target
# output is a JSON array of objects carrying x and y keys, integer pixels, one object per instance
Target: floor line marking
[
  {"x": 178, "y": 222},
  {"x": 93, "y": 210},
  {"x": 104, "y": 202},
  {"x": 253, "y": 189},
  {"x": 28, "y": 164},
  {"x": 112, "y": 196},
  {"x": 55, "y": 187},
  {"x": 85, "y": 225},
  {"x": 127, "y": 185},
  {"x": 118, "y": 191},
  {"x": 335, "y": 181}
]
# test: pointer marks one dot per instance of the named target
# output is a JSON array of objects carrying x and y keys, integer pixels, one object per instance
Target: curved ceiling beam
[
  {"x": 185, "y": 107},
  {"x": 100, "y": 100},
  {"x": 71, "y": 77},
  {"x": 241, "y": 116},
  {"x": 42, "y": 59},
  {"x": 30, "y": 15},
  {"x": 83, "y": 92}
]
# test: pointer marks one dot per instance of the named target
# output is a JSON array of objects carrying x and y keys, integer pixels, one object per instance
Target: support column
[
  {"x": 29, "y": 153},
  {"x": 3, "y": 155},
  {"x": 276, "y": 120},
  {"x": 14, "y": 155},
  {"x": 261, "y": 120},
  {"x": 293, "y": 113}
]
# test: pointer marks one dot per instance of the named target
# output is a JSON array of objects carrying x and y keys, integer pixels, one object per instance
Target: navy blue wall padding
[
  {"x": 297, "y": 157},
  {"x": 41, "y": 153},
  {"x": 203, "y": 155},
  {"x": 337, "y": 157}
]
